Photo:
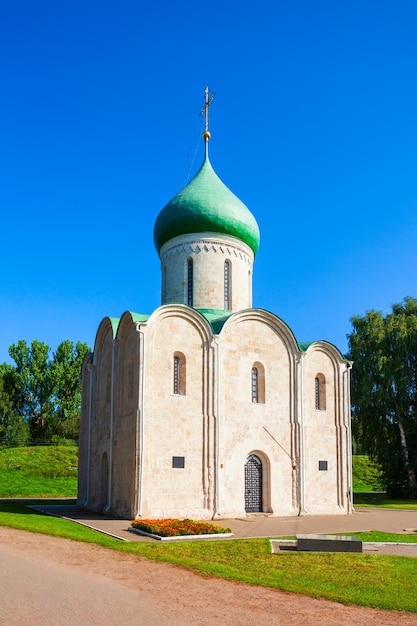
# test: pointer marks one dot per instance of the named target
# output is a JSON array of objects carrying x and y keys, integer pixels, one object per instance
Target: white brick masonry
[{"x": 209, "y": 251}]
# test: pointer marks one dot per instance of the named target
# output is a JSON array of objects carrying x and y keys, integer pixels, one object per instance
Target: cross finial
[{"x": 205, "y": 111}]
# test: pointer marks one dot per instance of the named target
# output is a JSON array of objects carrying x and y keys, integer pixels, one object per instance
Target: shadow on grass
[
  {"x": 23, "y": 505},
  {"x": 371, "y": 498},
  {"x": 380, "y": 499}
]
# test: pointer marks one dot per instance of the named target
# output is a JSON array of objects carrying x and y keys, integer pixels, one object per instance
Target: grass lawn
[
  {"x": 366, "y": 475},
  {"x": 383, "y": 501},
  {"x": 383, "y": 581},
  {"x": 38, "y": 471}
]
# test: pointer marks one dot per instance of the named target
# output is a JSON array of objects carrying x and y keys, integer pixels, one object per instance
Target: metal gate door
[{"x": 253, "y": 484}]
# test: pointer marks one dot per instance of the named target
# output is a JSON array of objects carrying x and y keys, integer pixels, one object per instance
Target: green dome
[{"x": 206, "y": 205}]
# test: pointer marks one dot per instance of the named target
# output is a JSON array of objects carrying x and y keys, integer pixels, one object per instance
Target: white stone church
[{"x": 209, "y": 408}]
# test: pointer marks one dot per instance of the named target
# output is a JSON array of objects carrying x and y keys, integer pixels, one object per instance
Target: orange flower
[{"x": 177, "y": 528}]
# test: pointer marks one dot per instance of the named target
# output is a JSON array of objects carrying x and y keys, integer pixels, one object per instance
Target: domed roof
[{"x": 206, "y": 205}]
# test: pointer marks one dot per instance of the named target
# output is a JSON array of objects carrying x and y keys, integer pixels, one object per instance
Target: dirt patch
[{"x": 45, "y": 580}]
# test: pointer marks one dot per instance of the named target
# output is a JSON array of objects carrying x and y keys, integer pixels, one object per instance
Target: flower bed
[{"x": 172, "y": 528}]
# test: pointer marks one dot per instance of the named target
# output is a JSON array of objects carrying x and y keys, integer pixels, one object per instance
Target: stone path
[{"x": 387, "y": 520}]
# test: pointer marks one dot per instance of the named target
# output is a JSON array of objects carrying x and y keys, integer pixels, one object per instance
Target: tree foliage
[
  {"x": 384, "y": 394},
  {"x": 14, "y": 430},
  {"x": 43, "y": 391}
]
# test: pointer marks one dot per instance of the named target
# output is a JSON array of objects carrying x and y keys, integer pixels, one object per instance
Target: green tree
[
  {"x": 46, "y": 391},
  {"x": 14, "y": 430},
  {"x": 32, "y": 385},
  {"x": 65, "y": 371},
  {"x": 384, "y": 394}
]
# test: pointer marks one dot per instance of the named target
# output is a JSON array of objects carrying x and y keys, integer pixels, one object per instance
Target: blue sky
[{"x": 314, "y": 127}]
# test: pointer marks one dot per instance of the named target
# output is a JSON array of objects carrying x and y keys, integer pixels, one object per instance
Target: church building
[{"x": 209, "y": 408}]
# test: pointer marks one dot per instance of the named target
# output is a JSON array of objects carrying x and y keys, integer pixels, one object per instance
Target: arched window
[
  {"x": 190, "y": 278},
  {"x": 227, "y": 285},
  {"x": 254, "y": 384},
  {"x": 320, "y": 392},
  {"x": 179, "y": 374},
  {"x": 258, "y": 383}
]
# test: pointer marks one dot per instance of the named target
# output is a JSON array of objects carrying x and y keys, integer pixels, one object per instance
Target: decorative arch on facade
[
  {"x": 288, "y": 366},
  {"x": 101, "y": 382},
  {"x": 279, "y": 327},
  {"x": 179, "y": 364},
  {"x": 85, "y": 426},
  {"x": 85, "y": 367},
  {"x": 328, "y": 349},
  {"x": 336, "y": 379},
  {"x": 283, "y": 333},
  {"x": 338, "y": 376},
  {"x": 192, "y": 316},
  {"x": 127, "y": 363},
  {"x": 107, "y": 330}
]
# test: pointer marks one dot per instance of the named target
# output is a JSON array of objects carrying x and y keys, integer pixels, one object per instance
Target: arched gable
[
  {"x": 257, "y": 342},
  {"x": 175, "y": 330},
  {"x": 323, "y": 361},
  {"x": 268, "y": 318},
  {"x": 256, "y": 339},
  {"x": 125, "y": 323},
  {"x": 127, "y": 364},
  {"x": 196, "y": 319},
  {"x": 83, "y": 447},
  {"x": 326, "y": 426},
  {"x": 87, "y": 360},
  {"x": 106, "y": 331},
  {"x": 327, "y": 348}
]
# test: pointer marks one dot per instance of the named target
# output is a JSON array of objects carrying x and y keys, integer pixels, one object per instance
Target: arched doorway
[{"x": 253, "y": 484}]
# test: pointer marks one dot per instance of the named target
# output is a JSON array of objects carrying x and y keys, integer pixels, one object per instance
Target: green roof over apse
[
  {"x": 303, "y": 346},
  {"x": 216, "y": 318},
  {"x": 206, "y": 205}
]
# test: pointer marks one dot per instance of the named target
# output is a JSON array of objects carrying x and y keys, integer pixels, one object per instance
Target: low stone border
[
  {"x": 181, "y": 537},
  {"x": 287, "y": 544},
  {"x": 49, "y": 510},
  {"x": 328, "y": 543}
]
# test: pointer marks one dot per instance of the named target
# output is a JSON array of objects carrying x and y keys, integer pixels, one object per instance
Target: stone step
[{"x": 329, "y": 543}]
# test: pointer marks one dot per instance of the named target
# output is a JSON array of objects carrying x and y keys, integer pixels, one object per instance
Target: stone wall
[
  {"x": 208, "y": 253},
  {"x": 157, "y": 451}
]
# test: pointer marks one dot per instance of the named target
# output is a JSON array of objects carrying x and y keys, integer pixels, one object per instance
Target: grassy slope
[
  {"x": 365, "y": 475},
  {"x": 43, "y": 471},
  {"x": 52, "y": 472}
]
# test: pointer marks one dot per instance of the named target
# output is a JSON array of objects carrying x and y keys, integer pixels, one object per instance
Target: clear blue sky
[{"x": 314, "y": 127}]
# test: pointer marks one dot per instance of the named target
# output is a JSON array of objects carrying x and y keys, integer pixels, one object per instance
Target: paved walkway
[{"x": 259, "y": 525}]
